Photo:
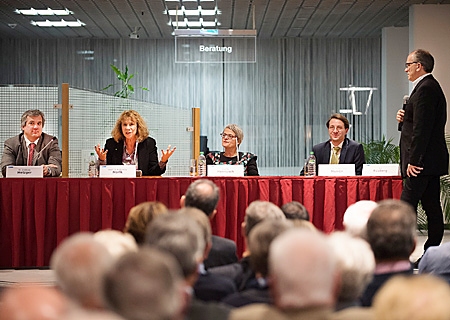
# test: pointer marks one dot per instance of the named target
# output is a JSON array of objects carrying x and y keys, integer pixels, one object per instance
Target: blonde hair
[
  {"x": 237, "y": 131},
  {"x": 140, "y": 216},
  {"x": 142, "y": 130}
]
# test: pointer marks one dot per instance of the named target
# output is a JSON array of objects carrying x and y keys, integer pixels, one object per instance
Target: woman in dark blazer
[{"x": 131, "y": 145}]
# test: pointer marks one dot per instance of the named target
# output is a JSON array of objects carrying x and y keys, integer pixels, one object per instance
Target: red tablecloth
[{"x": 37, "y": 214}]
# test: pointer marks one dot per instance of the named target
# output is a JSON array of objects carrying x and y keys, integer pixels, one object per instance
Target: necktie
[
  {"x": 334, "y": 156},
  {"x": 31, "y": 154}
]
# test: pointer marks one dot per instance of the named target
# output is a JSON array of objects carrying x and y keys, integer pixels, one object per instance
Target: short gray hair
[
  {"x": 258, "y": 211},
  {"x": 31, "y": 113}
]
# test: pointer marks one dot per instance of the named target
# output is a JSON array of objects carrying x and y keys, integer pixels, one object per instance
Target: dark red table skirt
[{"x": 37, "y": 214}]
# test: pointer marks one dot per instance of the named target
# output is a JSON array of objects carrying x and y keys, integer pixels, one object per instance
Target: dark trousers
[{"x": 427, "y": 190}]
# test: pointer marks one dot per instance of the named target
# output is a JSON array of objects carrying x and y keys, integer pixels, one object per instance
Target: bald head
[
  {"x": 33, "y": 302},
  {"x": 202, "y": 194}
]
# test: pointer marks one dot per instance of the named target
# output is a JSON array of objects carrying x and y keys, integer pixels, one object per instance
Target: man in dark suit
[
  {"x": 32, "y": 147},
  {"x": 339, "y": 149},
  {"x": 203, "y": 194},
  {"x": 391, "y": 233},
  {"x": 423, "y": 151}
]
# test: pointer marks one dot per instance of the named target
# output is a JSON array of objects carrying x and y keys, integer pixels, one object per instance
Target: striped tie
[
  {"x": 334, "y": 155},
  {"x": 31, "y": 154}
]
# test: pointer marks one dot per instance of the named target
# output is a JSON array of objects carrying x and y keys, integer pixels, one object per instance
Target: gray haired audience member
[
  {"x": 241, "y": 273},
  {"x": 258, "y": 211},
  {"x": 208, "y": 287},
  {"x": 391, "y": 233},
  {"x": 181, "y": 236},
  {"x": 356, "y": 263},
  {"x": 356, "y": 216},
  {"x": 261, "y": 236},
  {"x": 145, "y": 285},
  {"x": 203, "y": 194},
  {"x": 116, "y": 242},
  {"x": 80, "y": 262},
  {"x": 303, "y": 277},
  {"x": 294, "y": 210},
  {"x": 436, "y": 261},
  {"x": 422, "y": 297}
]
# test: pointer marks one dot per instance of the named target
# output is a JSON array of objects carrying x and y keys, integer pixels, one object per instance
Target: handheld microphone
[
  {"x": 405, "y": 100},
  {"x": 39, "y": 154}
]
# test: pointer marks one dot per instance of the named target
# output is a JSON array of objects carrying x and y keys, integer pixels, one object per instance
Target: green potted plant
[
  {"x": 382, "y": 151},
  {"x": 126, "y": 88}
]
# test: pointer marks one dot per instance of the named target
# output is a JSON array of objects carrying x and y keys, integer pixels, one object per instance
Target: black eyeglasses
[
  {"x": 410, "y": 63},
  {"x": 227, "y": 136}
]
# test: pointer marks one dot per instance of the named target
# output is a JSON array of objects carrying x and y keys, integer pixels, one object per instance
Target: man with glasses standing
[
  {"x": 339, "y": 149},
  {"x": 423, "y": 151}
]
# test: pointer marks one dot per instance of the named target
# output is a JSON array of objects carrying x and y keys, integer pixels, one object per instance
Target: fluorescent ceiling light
[
  {"x": 62, "y": 23},
  {"x": 193, "y": 12},
  {"x": 44, "y": 12},
  {"x": 193, "y": 24}
]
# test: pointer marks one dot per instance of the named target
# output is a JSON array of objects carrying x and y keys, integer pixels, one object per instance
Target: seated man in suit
[
  {"x": 339, "y": 149},
  {"x": 391, "y": 233},
  {"x": 203, "y": 194},
  {"x": 32, "y": 147}
]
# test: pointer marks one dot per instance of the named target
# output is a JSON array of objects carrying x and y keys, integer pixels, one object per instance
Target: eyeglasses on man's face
[
  {"x": 410, "y": 63},
  {"x": 227, "y": 136}
]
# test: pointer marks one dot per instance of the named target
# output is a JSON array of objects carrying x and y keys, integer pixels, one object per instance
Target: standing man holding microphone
[{"x": 423, "y": 150}]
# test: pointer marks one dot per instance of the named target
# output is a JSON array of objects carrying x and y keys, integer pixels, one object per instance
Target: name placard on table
[
  {"x": 24, "y": 172},
  {"x": 225, "y": 170},
  {"x": 385, "y": 169},
  {"x": 117, "y": 171},
  {"x": 336, "y": 170}
]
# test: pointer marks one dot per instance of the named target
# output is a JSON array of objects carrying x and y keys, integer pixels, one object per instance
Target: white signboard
[
  {"x": 385, "y": 169},
  {"x": 336, "y": 170},
  {"x": 225, "y": 170},
  {"x": 24, "y": 172},
  {"x": 117, "y": 171}
]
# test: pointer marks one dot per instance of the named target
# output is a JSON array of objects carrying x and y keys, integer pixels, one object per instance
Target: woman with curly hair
[{"x": 130, "y": 144}]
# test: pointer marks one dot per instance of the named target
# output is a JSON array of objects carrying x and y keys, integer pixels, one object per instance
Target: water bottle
[
  {"x": 201, "y": 165},
  {"x": 311, "y": 165},
  {"x": 92, "y": 169}
]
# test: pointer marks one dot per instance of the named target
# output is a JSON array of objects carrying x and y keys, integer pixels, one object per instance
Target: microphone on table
[
  {"x": 39, "y": 154},
  {"x": 237, "y": 149}
]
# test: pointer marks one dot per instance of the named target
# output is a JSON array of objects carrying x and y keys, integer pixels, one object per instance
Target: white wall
[
  {"x": 429, "y": 29},
  {"x": 394, "y": 83}
]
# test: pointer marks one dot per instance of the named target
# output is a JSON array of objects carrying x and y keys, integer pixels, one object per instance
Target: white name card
[
  {"x": 24, "y": 172},
  {"x": 225, "y": 170},
  {"x": 385, "y": 169},
  {"x": 337, "y": 170},
  {"x": 117, "y": 171}
]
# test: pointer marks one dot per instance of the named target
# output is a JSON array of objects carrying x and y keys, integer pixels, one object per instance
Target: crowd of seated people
[{"x": 156, "y": 268}]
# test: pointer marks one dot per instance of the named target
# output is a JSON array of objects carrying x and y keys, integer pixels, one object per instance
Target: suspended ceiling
[{"x": 113, "y": 19}]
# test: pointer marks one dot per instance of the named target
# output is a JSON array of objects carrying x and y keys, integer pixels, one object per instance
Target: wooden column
[
  {"x": 65, "y": 130},
  {"x": 196, "y": 136}
]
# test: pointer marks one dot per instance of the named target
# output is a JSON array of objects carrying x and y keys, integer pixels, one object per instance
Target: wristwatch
[{"x": 49, "y": 171}]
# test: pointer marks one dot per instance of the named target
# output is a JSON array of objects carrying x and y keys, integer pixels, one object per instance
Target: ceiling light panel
[{"x": 44, "y": 12}]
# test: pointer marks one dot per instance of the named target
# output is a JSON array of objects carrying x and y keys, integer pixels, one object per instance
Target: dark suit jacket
[
  {"x": 376, "y": 283},
  {"x": 16, "y": 153},
  {"x": 213, "y": 287},
  {"x": 352, "y": 152},
  {"x": 223, "y": 251},
  {"x": 422, "y": 140},
  {"x": 147, "y": 156}
]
